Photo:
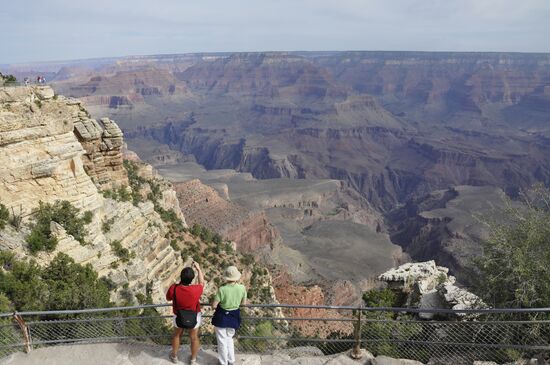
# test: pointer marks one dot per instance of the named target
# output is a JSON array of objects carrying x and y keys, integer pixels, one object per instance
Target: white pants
[{"x": 226, "y": 350}]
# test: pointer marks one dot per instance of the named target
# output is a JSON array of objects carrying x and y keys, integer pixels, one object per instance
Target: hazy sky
[{"x": 40, "y": 30}]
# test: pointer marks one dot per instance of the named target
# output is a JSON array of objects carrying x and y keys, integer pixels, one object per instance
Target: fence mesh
[
  {"x": 496, "y": 337},
  {"x": 452, "y": 337}
]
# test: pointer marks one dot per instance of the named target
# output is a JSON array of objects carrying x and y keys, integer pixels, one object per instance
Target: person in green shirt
[{"x": 227, "y": 317}]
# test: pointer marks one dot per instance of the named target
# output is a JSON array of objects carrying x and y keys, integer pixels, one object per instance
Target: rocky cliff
[
  {"x": 51, "y": 150},
  {"x": 447, "y": 225},
  {"x": 103, "y": 157},
  {"x": 201, "y": 204}
]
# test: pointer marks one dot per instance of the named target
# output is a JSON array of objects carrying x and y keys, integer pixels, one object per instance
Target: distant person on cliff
[
  {"x": 227, "y": 317},
  {"x": 187, "y": 311}
]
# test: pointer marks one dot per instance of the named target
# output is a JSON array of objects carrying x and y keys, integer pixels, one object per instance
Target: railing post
[
  {"x": 356, "y": 352},
  {"x": 25, "y": 331}
]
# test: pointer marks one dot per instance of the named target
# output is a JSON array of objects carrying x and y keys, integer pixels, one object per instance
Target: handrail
[
  {"x": 293, "y": 306},
  {"x": 350, "y": 328}
]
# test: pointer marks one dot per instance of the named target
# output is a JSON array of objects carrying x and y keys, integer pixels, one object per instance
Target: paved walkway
[{"x": 142, "y": 354}]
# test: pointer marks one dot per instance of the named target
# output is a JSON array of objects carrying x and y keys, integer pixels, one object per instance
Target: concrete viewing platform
[{"x": 146, "y": 354}]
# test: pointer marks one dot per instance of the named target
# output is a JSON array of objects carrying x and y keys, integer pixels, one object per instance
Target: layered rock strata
[
  {"x": 202, "y": 204},
  {"x": 103, "y": 145},
  {"x": 42, "y": 159}
]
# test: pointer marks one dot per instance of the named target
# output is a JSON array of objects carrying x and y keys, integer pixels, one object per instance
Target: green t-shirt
[{"x": 231, "y": 296}]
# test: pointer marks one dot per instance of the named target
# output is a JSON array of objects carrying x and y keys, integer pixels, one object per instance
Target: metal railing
[
  {"x": 22, "y": 83},
  {"x": 457, "y": 337}
]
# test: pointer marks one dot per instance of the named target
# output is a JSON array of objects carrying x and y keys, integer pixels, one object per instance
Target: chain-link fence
[{"x": 451, "y": 337}]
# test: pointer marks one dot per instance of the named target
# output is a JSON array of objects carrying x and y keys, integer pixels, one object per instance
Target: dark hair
[{"x": 187, "y": 276}]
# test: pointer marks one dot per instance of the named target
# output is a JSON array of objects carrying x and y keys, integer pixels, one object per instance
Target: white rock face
[
  {"x": 39, "y": 154},
  {"x": 427, "y": 275},
  {"x": 459, "y": 298},
  {"x": 41, "y": 159},
  {"x": 431, "y": 284}
]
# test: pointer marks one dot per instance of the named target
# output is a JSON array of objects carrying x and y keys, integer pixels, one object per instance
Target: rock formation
[
  {"x": 428, "y": 286},
  {"x": 203, "y": 205},
  {"x": 41, "y": 157},
  {"x": 103, "y": 145},
  {"x": 50, "y": 150}
]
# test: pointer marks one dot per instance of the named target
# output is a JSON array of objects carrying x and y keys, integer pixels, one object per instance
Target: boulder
[
  {"x": 457, "y": 298},
  {"x": 344, "y": 360},
  {"x": 428, "y": 287},
  {"x": 302, "y": 351},
  {"x": 44, "y": 92},
  {"x": 385, "y": 360}
]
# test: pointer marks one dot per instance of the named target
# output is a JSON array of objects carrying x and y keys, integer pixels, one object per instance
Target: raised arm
[
  {"x": 170, "y": 293},
  {"x": 199, "y": 272}
]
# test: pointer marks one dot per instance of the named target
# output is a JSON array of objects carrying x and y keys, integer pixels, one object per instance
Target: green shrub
[
  {"x": 134, "y": 180},
  {"x": 109, "y": 194},
  {"x": 262, "y": 329},
  {"x": 41, "y": 240},
  {"x": 206, "y": 235},
  {"x": 247, "y": 259},
  {"x": 16, "y": 218},
  {"x": 66, "y": 215},
  {"x": 109, "y": 284},
  {"x": 380, "y": 298},
  {"x": 217, "y": 239},
  {"x": 63, "y": 284},
  {"x": 73, "y": 286},
  {"x": 5, "y": 304},
  {"x": 123, "y": 194},
  {"x": 170, "y": 217},
  {"x": 8, "y": 79},
  {"x": 121, "y": 252},
  {"x": 195, "y": 230},
  {"x": 4, "y": 216},
  {"x": 515, "y": 266},
  {"x": 106, "y": 226},
  {"x": 155, "y": 195}
]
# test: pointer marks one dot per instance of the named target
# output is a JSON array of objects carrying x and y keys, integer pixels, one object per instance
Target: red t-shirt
[{"x": 188, "y": 297}]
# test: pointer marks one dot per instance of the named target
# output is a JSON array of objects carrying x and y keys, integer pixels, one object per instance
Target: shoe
[
  {"x": 174, "y": 358},
  {"x": 192, "y": 361}
]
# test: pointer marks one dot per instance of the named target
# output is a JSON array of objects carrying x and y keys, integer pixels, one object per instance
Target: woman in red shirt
[{"x": 186, "y": 297}]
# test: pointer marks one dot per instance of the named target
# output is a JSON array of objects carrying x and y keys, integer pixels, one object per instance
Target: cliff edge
[{"x": 50, "y": 150}]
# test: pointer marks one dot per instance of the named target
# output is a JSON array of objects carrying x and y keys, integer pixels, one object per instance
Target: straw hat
[{"x": 231, "y": 274}]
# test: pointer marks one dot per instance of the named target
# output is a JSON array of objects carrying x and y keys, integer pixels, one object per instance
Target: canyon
[
  {"x": 314, "y": 159},
  {"x": 137, "y": 238}
]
